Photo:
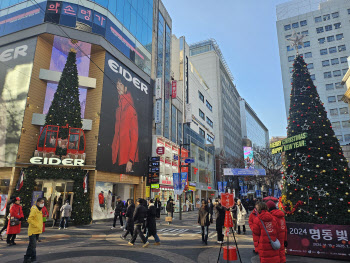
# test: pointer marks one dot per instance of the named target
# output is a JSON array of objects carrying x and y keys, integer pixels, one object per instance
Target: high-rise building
[
  {"x": 253, "y": 129},
  {"x": 206, "y": 56},
  {"x": 326, "y": 29},
  {"x": 121, "y": 47},
  {"x": 193, "y": 92}
]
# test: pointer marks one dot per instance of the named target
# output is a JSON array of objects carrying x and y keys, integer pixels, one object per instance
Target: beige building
[{"x": 346, "y": 98}]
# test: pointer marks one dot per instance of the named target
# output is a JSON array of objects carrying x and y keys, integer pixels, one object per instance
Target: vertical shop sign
[
  {"x": 173, "y": 89},
  {"x": 158, "y": 88}
]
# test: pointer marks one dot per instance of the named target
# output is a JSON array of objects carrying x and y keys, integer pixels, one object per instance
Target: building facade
[
  {"x": 209, "y": 61},
  {"x": 198, "y": 130},
  {"x": 326, "y": 48},
  {"x": 114, "y": 42}
]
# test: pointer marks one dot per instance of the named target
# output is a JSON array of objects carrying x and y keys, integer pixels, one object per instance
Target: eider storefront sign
[{"x": 57, "y": 161}]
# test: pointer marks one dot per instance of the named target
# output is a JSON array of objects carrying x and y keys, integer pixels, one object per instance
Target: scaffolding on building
[{"x": 296, "y": 8}]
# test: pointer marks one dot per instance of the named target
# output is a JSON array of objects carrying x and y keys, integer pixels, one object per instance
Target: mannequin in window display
[{"x": 125, "y": 141}]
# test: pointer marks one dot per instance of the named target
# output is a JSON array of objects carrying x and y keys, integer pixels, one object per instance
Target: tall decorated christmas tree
[
  {"x": 316, "y": 186},
  {"x": 65, "y": 107}
]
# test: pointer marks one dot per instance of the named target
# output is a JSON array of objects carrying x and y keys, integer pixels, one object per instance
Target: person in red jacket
[
  {"x": 252, "y": 216},
  {"x": 281, "y": 224},
  {"x": 266, "y": 253},
  {"x": 16, "y": 214},
  {"x": 126, "y": 132},
  {"x": 101, "y": 200}
]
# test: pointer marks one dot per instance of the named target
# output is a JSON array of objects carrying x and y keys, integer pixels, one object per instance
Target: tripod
[{"x": 228, "y": 243}]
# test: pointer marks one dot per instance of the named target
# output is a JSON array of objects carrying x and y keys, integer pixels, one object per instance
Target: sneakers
[
  {"x": 146, "y": 244},
  {"x": 65, "y": 228},
  {"x": 130, "y": 244},
  {"x": 220, "y": 242},
  {"x": 121, "y": 227},
  {"x": 122, "y": 237},
  {"x": 112, "y": 227},
  {"x": 59, "y": 228},
  {"x": 157, "y": 243}
]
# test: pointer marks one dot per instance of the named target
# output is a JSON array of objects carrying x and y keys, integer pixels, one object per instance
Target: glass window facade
[
  {"x": 255, "y": 132},
  {"x": 173, "y": 123}
]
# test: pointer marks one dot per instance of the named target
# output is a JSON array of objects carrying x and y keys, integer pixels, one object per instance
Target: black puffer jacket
[
  {"x": 119, "y": 208},
  {"x": 220, "y": 215},
  {"x": 129, "y": 217},
  {"x": 203, "y": 216},
  {"x": 151, "y": 220},
  {"x": 140, "y": 214}
]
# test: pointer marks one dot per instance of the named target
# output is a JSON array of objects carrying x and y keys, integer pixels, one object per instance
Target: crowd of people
[{"x": 265, "y": 220}]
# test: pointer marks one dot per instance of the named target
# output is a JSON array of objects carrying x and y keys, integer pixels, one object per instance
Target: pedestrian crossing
[{"x": 182, "y": 232}]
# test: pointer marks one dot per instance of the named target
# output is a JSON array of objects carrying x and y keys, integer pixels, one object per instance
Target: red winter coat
[
  {"x": 266, "y": 253},
  {"x": 126, "y": 132},
  {"x": 101, "y": 199},
  {"x": 45, "y": 214},
  {"x": 282, "y": 235},
  {"x": 252, "y": 216},
  {"x": 15, "y": 211}
]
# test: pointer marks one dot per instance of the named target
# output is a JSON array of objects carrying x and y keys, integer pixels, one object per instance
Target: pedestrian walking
[
  {"x": 233, "y": 211},
  {"x": 204, "y": 221},
  {"x": 266, "y": 253},
  {"x": 151, "y": 223},
  {"x": 14, "y": 224},
  {"x": 119, "y": 209},
  {"x": 211, "y": 208},
  {"x": 56, "y": 213},
  {"x": 241, "y": 213},
  {"x": 45, "y": 216},
  {"x": 279, "y": 216},
  {"x": 35, "y": 228},
  {"x": 8, "y": 207},
  {"x": 129, "y": 219},
  {"x": 66, "y": 211},
  {"x": 139, "y": 217},
  {"x": 101, "y": 200},
  {"x": 158, "y": 206},
  {"x": 220, "y": 220},
  {"x": 170, "y": 209},
  {"x": 252, "y": 216}
]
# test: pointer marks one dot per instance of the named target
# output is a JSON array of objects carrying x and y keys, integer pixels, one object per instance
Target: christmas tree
[
  {"x": 316, "y": 176},
  {"x": 65, "y": 106}
]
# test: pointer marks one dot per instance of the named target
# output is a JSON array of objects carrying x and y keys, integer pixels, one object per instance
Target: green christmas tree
[
  {"x": 65, "y": 107},
  {"x": 317, "y": 175}
]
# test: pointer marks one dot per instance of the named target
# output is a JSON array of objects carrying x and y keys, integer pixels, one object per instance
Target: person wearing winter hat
[{"x": 278, "y": 215}]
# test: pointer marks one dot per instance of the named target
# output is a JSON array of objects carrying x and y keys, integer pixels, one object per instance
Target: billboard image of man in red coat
[{"x": 126, "y": 132}]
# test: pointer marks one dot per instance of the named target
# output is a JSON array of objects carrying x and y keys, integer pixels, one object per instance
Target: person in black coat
[
  {"x": 158, "y": 206},
  {"x": 233, "y": 211},
  {"x": 139, "y": 216},
  {"x": 170, "y": 209},
  {"x": 204, "y": 221},
  {"x": 129, "y": 219},
  {"x": 211, "y": 209},
  {"x": 220, "y": 220},
  {"x": 151, "y": 222},
  {"x": 118, "y": 212}
]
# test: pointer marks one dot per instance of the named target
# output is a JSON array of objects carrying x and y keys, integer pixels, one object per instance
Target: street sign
[
  {"x": 154, "y": 159},
  {"x": 160, "y": 150},
  {"x": 227, "y": 200},
  {"x": 189, "y": 160}
]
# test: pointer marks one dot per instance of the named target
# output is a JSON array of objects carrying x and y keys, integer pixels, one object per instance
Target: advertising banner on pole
[
  {"x": 176, "y": 183},
  {"x": 224, "y": 185},
  {"x": 323, "y": 241},
  {"x": 220, "y": 189},
  {"x": 183, "y": 181}
]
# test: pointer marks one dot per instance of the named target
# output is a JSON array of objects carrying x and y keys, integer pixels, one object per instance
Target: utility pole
[{"x": 180, "y": 208}]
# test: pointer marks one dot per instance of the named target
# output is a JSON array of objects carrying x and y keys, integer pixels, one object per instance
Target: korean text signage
[
  {"x": 289, "y": 143},
  {"x": 158, "y": 112},
  {"x": 323, "y": 241},
  {"x": 153, "y": 171},
  {"x": 244, "y": 172},
  {"x": 227, "y": 200},
  {"x": 158, "y": 88},
  {"x": 173, "y": 89},
  {"x": 125, "y": 135}
]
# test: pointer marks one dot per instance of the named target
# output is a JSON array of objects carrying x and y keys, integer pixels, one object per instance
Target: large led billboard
[
  {"x": 248, "y": 157},
  {"x": 125, "y": 135},
  {"x": 16, "y": 63}
]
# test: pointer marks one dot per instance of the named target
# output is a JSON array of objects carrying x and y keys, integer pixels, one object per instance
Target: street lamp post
[{"x": 182, "y": 144}]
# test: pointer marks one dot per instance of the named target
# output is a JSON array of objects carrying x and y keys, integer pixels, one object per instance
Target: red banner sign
[
  {"x": 227, "y": 200},
  {"x": 323, "y": 241},
  {"x": 228, "y": 220},
  {"x": 173, "y": 89}
]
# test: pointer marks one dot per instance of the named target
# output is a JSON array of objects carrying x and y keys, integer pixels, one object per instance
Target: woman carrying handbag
[{"x": 14, "y": 223}]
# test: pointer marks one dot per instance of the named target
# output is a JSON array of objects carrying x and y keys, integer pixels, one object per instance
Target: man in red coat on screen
[{"x": 126, "y": 133}]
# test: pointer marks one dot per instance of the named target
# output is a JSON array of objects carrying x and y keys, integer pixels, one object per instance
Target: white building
[
  {"x": 326, "y": 27},
  {"x": 199, "y": 125}
]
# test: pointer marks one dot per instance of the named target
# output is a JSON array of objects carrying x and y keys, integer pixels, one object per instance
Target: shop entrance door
[{"x": 55, "y": 192}]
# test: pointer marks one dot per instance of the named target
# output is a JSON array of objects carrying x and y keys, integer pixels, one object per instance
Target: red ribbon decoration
[{"x": 299, "y": 203}]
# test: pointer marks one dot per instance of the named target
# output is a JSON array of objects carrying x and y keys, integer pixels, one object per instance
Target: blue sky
[{"x": 246, "y": 33}]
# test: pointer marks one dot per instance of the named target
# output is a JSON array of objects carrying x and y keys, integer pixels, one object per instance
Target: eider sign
[{"x": 57, "y": 161}]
